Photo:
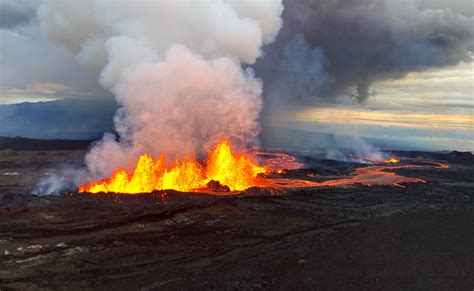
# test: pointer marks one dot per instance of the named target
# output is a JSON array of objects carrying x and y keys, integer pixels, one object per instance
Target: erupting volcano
[
  {"x": 226, "y": 170},
  {"x": 236, "y": 145},
  {"x": 237, "y": 171}
]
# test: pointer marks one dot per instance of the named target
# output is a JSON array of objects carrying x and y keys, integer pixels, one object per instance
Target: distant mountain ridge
[
  {"x": 29, "y": 144},
  {"x": 60, "y": 119}
]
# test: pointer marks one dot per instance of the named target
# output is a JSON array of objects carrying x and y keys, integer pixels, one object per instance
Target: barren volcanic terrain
[{"x": 353, "y": 235}]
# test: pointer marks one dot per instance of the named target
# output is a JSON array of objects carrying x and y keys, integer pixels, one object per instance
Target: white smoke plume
[
  {"x": 355, "y": 149},
  {"x": 174, "y": 66},
  {"x": 64, "y": 177}
]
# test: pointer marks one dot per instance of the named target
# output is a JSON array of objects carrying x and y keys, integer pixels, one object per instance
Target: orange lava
[
  {"x": 278, "y": 161},
  {"x": 442, "y": 166},
  {"x": 392, "y": 160},
  {"x": 369, "y": 176},
  {"x": 237, "y": 171}
]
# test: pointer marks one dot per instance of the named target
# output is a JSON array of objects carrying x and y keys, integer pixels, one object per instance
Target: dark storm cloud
[
  {"x": 16, "y": 12},
  {"x": 294, "y": 72},
  {"x": 363, "y": 41}
]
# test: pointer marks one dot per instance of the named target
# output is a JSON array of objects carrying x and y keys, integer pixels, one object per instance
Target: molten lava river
[{"x": 226, "y": 171}]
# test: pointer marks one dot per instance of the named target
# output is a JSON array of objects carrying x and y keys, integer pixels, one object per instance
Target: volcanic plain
[{"x": 417, "y": 235}]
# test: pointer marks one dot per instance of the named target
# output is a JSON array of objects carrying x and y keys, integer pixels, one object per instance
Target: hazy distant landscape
[
  {"x": 61, "y": 119},
  {"x": 77, "y": 119}
]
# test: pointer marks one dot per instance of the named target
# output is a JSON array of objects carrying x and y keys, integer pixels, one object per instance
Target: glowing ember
[
  {"x": 392, "y": 160},
  {"x": 237, "y": 171}
]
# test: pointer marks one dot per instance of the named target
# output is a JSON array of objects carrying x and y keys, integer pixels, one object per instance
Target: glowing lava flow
[
  {"x": 369, "y": 176},
  {"x": 392, "y": 160},
  {"x": 278, "y": 161},
  {"x": 237, "y": 171}
]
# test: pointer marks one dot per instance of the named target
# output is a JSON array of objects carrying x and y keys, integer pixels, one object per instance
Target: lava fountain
[
  {"x": 226, "y": 170},
  {"x": 237, "y": 171}
]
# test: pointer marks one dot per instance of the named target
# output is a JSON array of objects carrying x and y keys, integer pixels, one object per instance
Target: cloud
[
  {"x": 296, "y": 75},
  {"x": 16, "y": 12},
  {"x": 431, "y": 110},
  {"x": 47, "y": 89},
  {"x": 29, "y": 62},
  {"x": 463, "y": 122},
  {"x": 365, "y": 41}
]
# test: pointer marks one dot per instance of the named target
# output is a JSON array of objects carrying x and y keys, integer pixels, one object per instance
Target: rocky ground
[{"x": 325, "y": 238}]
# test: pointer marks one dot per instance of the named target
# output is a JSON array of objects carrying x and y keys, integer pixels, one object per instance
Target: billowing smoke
[
  {"x": 333, "y": 51},
  {"x": 174, "y": 66},
  {"x": 360, "y": 151},
  {"x": 294, "y": 74},
  {"x": 64, "y": 177},
  {"x": 16, "y": 12},
  {"x": 352, "y": 43}
]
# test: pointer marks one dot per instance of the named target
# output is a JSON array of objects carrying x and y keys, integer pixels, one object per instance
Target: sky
[
  {"x": 432, "y": 109},
  {"x": 427, "y": 104},
  {"x": 34, "y": 69}
]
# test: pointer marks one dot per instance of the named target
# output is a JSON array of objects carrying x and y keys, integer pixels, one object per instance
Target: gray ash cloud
[
  {"x": 331, "y": 48},
  {"x": 16, "y": 12}
]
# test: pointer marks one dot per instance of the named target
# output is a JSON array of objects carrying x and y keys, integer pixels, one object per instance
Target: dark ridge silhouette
[
  {"x": 28, "y": 144},
  {"x": 73, "y": 119}
]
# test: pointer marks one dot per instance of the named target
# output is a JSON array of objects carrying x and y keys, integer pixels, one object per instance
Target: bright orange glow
[
  {"x": 277, "y": 162},
  {"x": 442, "y": 166},
  {"x": 237, "y": 171},
  {"x": 392, "y": 160}
]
